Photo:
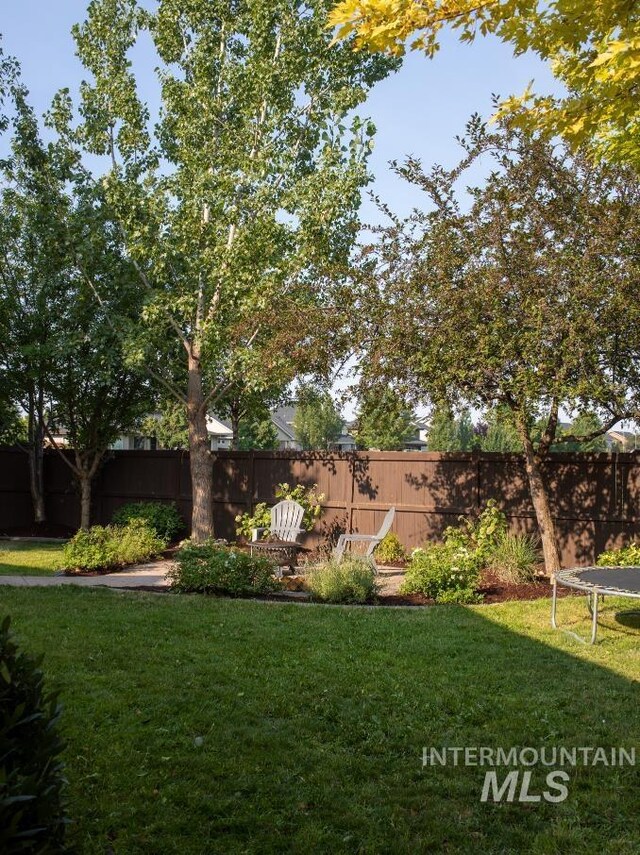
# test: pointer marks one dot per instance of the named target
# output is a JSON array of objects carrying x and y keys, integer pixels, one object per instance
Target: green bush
[
  {"x": 444, "y": 572},
  {"x": 109, "y": 547},
  {"x": 32, "y": 815},
  {"x": 390, "y": 549},
  {"x": 209, "y": 568},
  {"x": 308, "y": 497},
  {"x": 628, "y": 556},
  {"x": 353, "y": 580},
  {"x": 163, "y": 518},
  {"x": 480, "y": 536},
  {"x": 515, "y": 558}
]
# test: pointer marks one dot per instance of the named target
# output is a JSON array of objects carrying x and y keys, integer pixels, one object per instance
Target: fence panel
[{"x": 595, "y": 498}]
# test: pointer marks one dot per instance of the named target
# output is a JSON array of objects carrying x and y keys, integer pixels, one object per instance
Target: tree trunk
[
  {"x": 235, "y": 428},
  {"x": 36, "y": 456},
  {"x": 199, "y": 454},
  {"x": 85, "y": 500},
  {"x": 540, "y": 500}
]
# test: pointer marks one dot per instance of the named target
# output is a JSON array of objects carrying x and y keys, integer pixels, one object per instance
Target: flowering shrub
[
  {"x": 449, "y": 571},
  {"x": 628, "y": 556},
  {"x": 209, "y": 568},
  {"x": 308, "y": 497},
  {"x": 443, "y": 571}
]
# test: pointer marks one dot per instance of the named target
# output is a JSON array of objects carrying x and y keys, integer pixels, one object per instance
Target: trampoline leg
[
  {"x": 554, "y": 598},
  {"x": 594, "y": 619},
  {"x": 593, "y": 609}
]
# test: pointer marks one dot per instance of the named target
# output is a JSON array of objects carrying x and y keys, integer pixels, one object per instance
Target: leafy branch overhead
[{"x": 593, "y": 49}]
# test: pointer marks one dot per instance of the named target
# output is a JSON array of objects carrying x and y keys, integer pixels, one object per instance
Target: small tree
[
  {"x": 447, "y": 433},
  {"x": 500, "y": 434},
  {"x": 526, "y": 299},
  {"x": 317, "y": 423},
  {"x": 384, "y": 422},
  {"x": 258, "y": 432},
  {"x": 168, "y": 425}
]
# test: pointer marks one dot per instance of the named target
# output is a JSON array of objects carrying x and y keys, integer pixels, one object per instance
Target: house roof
[
  {"x": 218, "y": 427},
  {"x": 283, "y": 420}
]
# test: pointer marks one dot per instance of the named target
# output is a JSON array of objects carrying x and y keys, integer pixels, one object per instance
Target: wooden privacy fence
[{"x": 595, "y": 497}]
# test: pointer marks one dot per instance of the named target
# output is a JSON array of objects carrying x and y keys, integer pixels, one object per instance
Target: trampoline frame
[{"x": 595, "y": 593}]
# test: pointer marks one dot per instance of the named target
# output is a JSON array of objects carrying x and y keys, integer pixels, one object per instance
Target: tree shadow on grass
[{"x": 314, "y": 720}]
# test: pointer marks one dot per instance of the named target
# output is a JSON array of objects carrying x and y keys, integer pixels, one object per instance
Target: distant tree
[
  {"x": 33, "y": 217},
  {"x": 448, "y": 433},
  {"x": 12, "y": 425},
  {"x": 586, "y": 424},
  {"x": 317, "y": 423},
  {"x": 384, "y": 421},
  {"x": 258, "y": 432},
  {"x": 500, "y": 434},
  {"x": 168, "y": 425}
]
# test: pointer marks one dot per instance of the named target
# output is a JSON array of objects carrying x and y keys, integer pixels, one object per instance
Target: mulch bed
[{"x": 494, "y": 591}]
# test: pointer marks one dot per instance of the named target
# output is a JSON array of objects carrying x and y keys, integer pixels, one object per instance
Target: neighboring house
[
  {"x": 622, "y": 440},
  {"x": 418, "y": 441},
  {"x": 282, "y": 419},
  {"x": 220, "y": 435}
]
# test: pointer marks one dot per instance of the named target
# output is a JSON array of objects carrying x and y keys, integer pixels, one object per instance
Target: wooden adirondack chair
[
  {"x": 286, "y": 522},
  {"x": 372, "y": 540}
]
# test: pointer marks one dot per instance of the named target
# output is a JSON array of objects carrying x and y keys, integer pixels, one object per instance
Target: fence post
[{"x": 252, "y": 480}]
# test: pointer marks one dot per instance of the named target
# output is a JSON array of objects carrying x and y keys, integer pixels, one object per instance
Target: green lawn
[
  {"x": 313, "y": 721},
  {"x": 29, "y": 559}
]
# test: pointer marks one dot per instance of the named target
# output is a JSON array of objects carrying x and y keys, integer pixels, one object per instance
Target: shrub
[
  {"x": 209, "y": 568},
  {"x": 515, "y": 558},
  {"x": 444, "y": 572},
  {"x": 108, "y": 547},
  {"x": 353, "y": 580},
  {"x": 308, "y": 497},
  {"x": 628, "y": 556},
  {"x": 482, "y": 535},
  {"x": 390, "y": 549},
  {"x": 163, "y": 518},
  {"x": 32, "y": 816}
]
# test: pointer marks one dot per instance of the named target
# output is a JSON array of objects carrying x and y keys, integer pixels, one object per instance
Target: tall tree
[
  {"x": 33, "y": 214},
  {"x": 593, "y": 48},
  {"x": 317, "y": 423},
  {"x": 525, "y": 299},
  {"x": 384, "y": 421},
  {"x": 239, "y": 208}
]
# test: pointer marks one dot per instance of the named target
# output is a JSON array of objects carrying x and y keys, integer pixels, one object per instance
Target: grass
[
  {"x": 200, "y": 725},
  {"x": 29, "y": 559}
]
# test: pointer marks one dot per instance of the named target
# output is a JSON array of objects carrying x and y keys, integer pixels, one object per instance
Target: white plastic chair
[
  {"x": 371, "y": 539},
  {"x": 286, "y": 522}
]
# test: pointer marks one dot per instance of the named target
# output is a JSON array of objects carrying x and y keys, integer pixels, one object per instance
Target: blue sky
[{"x": 417, "y": 111}]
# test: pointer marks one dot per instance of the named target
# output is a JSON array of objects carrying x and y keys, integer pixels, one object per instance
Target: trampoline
[{"x": 596, "y": 582}]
